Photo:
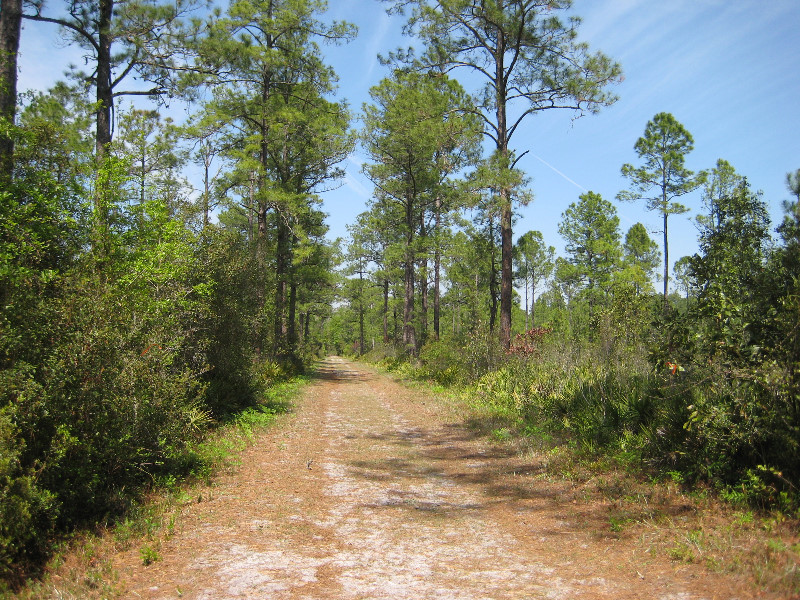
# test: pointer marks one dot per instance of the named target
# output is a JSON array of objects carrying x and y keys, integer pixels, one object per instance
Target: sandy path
[{"x": 370, "y": 491}]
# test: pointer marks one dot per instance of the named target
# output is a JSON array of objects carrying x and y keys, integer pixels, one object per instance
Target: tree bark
[
  {"x": 282, "y": 261},
  {"x": 409, "y": 333},
  {"x": 206, "y": 149},
  {"x": 423, "y": 287},
  {"x": 361, "y": 314},
  {"x": 437, "y": 266},
  {"x": 493, "y": 282},
  {"x": 105, "y": 92},
  {"x": 666, "y": 264},
  {"x": 10, "y": 26},
  {"x": 527, "y": 271},
  {"x": 506, "y": 234},
  {"x": 291, "y": 334},
  {"x": 386, "y": 311}
]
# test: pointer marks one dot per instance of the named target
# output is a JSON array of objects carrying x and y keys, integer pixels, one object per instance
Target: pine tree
[
  {"x": 529, "y": 60},
  {"x": 663, "y": 147}
]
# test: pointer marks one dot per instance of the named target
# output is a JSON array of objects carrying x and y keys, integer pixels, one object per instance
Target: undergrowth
[
  {"x": 629, "y": 434},
  {"x": 81, "y": 564}
]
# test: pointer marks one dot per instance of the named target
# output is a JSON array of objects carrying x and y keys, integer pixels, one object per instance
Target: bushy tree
[
  {"x": 415, "y": 131},
  {"x": 285, "y": 137},
  {"x": 641, "y": 258},
  {"x": 123, "y": 41},
  {"x": 590, "y": 228}
]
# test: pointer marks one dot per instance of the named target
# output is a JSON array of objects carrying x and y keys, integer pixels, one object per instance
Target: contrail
[{"x": 577, "y": 185}]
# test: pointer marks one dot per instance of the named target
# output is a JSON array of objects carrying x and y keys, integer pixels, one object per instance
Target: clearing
[{"x": 371, "y": 490}]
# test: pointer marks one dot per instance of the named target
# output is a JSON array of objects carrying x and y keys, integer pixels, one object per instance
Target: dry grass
[{"x": 688, "y": 526}]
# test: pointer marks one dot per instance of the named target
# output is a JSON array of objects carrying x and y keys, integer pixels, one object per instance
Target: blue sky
[{"x": 728, "y": 70}]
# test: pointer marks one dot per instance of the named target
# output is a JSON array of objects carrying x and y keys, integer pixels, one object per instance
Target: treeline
[
  {"x": 129, "y": 322},
  {"x": 699, "y": 380}
]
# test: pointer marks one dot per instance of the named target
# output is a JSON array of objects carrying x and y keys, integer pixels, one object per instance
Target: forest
[{"x": 138, "y": 310}]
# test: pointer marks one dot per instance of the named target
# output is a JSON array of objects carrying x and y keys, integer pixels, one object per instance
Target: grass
[
  {"x": 82, "y": 566},
  {"x": 661, "y": 513}
]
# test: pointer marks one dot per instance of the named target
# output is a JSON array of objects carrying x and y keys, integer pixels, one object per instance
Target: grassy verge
[
  {"x": 83, "y": 567},
  {"x": 600, "y": 431}
]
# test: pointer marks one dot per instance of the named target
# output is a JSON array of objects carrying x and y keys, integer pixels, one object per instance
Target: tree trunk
[
  {"x": 409, "y": 333},
  {"x": 437, "y": 266},
  {"x": 386, "y": 311},
  {"x": 423, "y": 293},
  {"x": 493, "y": 281},
  {"x": 506, "y": 234},
  {"x": 10, "y": 26},
  {"x": 476, "y": 302},
  {"x": 206, "y": 149},
  {"x": 361, "y": 313},
  {"x": 505, "y": 269},
  {"x": 143, "y": 183},
  {"x": 103, "y": 118},
  {"x": 666, "y": 264},
  {"x": 261, "y": 236},
  {"x": 291, "y": 334},
  {"x": 527, "y": 270},
  {"x": 395, "y": 334},
  {"x": 252, "y": 220},
  {"x": 105, "y": 92},
  {"x": 282, "y": 263},
  {"x": 423, "y": 287}
]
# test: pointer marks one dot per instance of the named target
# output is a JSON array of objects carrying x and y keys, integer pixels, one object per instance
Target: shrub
[
  {"x": 441, "y": 362},
  {"x": 27, "y": 512}
]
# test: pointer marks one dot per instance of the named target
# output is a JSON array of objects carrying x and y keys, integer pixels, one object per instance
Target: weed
[
  {"x": 618, "y": 524},
  {"x": 676, "y": 477},
  {"x": 502, "y": 434},
  {"x": 681, "y": 553},
  {"x": 149, "y": 555}
]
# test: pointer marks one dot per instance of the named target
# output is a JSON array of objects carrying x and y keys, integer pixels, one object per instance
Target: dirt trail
[{"x": 369, "y": 491}]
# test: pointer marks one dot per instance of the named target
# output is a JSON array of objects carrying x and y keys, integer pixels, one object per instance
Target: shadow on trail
[
  {"x": 445, "y": 471},
  {"x": 334, "y": 369}
]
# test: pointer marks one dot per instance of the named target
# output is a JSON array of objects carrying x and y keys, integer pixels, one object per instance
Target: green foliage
[
  {"x": 575, "y": 397},
  {"x": 417, "y": 131},
  {"x": 151, "y": 150},
  {"x": 535, "y": 263},
  {"x": 559, "y": 72},
  {"x": 108, "y": 357},
  {"x": 641, "y": 257},
  {"x": 440, "y": 361},
  {"x": 735, "y": 423},
  {"x": 149, "y": 555},
  {"x": 591, "y": 230},
  {"x": 55, "y": 135},
  {"x": 550, "y": 69},
  {"x": 27, "y": 512}
]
